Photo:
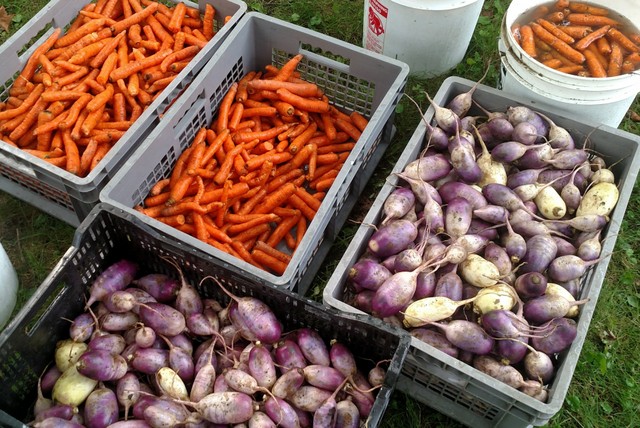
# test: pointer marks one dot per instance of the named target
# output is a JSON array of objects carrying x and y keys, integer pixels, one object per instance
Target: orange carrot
[
  {"x": 557, "y": 44},
  {"x": 177, "y": 17},
  {"x": 269, "y": 262},
  {"x": 575, "y": 6},
  {"x": 349, "y": 128},
  {"x": 590, "y": 20},
  {"x": 285, "y": 225},
  {"x": 287, "y": 70},
  {"x": 584, "y": 42},
  {"x": 307, "y": 104},
  {"x": 26, "y": 104},
  {"x": 553, "y": 29},
  {"x": 576, "y": 31},
  {"x": 593, "y": 64},
  {"x": 208, "y": 21},
  {"x": 136, "y": 18},
  {"x": 617, "y": 36},
  {"x": 615, "y": 60},
  {"x": 32, "y": 63},
  {"x": 136, "y": 66},
  {"x": 296, "y": 202},
  {"x": 276, "y": 199},
  {"x": 225, "y": 107},
  {"x": 359, "y": 120},
  {"x": 72, "y": 153}
]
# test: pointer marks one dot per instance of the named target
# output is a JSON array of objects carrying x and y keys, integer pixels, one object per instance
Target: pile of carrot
[
  {"x": 81, "y": 90},
  {"x": 579, "y": 38},
  {"x": 250, "y": 183}
]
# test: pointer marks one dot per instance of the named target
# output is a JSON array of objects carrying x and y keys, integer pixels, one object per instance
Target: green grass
[{"x": 604, "y": 390}]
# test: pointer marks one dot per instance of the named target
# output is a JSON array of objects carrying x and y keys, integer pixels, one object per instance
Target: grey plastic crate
[
  {"x": 66, "y": 196},
  {"x": 363, "y": 81},
  {"x": 451, "y": 386},
  {"x": 107, "y": 235}
]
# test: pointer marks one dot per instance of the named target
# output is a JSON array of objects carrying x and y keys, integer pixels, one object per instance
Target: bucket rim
[{"x": 445, "y": 6}]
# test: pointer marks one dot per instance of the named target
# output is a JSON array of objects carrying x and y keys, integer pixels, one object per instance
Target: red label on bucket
[{"x": 377, "y": 20}]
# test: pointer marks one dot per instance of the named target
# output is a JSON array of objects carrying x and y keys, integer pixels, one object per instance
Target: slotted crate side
[
  {"x": 257, "y": 41},
  {"x": 62, "y": 194},
  {"x": 445, "y": 383},
  {"x": 108, "y": 235}
]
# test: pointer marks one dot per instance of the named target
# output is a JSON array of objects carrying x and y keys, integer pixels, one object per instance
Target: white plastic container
[
  {"x": 430, "y": 36},
  {"x": 8, "y": 287},
  {"x": 593, "y": 100}
]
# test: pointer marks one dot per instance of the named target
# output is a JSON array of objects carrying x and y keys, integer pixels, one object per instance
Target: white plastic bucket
[
  {"x": 8, "y": 287},
  {"x": 430, "y": 36},
  {"x": 594, "y": 100}
]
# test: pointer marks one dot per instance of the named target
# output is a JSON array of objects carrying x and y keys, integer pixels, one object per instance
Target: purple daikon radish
[
  {"x": 324, "y": 415},
  {"x": 569, "y": 267},
  {"x": 591, "y": 248},
  {"x": 568, "y": 159},
  {"x": 180, "y": 361},
  {"x": 164, "y": 319},
  {"x": 342, "y": 359},
  {"x": 392, "y": 238},
  {"x": 282, "y": 413},
  {"x": 141, "y": 297},
  {"x": 119, "y": 301},
  {"x": 347, "y": 414},
  {"x": 312, "y": 346},
  {"x": 493, "y": 214},
  {"x": 525, "y": 133},
  {"x": 571, "y": 194},
  {"x": 428, "y": 168},
  {"x": 82, "y": 327},
  {"x": 482, "y": 229},
  {"x": 101, "y": 365},
  {"x": 564, "y": 247},
  {"x": 511, "y": 351},
  {"x": 256, "y": 316},
  {"x": 463, "y": 161},
  {"x": 288, "y": 355},
  {"x": 101, "y": 408},
  {"x": 444, "y": 117},
  {"x": 511, "y": 151},
  {"x": 368, "y": 274},
  {"x": 525, "y": 176},
  {"x": 182, "y": 341},
  {"x": 497, "y": 255},
  {"x": 113, "y": 322},
  {"x": 454, "y": 189},
  {"x": 116, "y": 277},
  {"x": 362, "y": 300},
  {"x": 113, "y": 343},
  {"x": 288, "y": 383},
  {"x": 49, "y": 378},
  {"x": 449, "y": 285},
  {"x": 62, "y": 411},
  {"x": 309, "y": 398},
  {"x": 541, "y": 251},
  {"x": 435, "y": 339},
  {"x": 324, "y": 377},
  {"x": 128, "y": 391},
  {"x": 514, "y": 244},
  {"x": 500, "y": 128},
  {"x": 422, "y": 190},
  {"x": 498, "y": 194},
  {"x": 200, "y": 325},
  {"x": 55, "y": 422},
  {"x": 149, "y": 360},
  {"x": 530, "y": 285},
  {"x": 467, "y": 335},
  {"x": 396, "y": 292},
  {"x": 224, "y": 407},
  {"x": 398, "y": 204},
  {"x": 547, "y": 307},
  {"x": 42, "y": 403},
  {"x": 162, "y": 287},
  {"x": 517, "y": 114},
  {"x": 472, "y": 243},
  {"x": 408, "y": 260},
  {"x": 502, "y": 372},
  {"x": 538, "y": 366},
  {"x": 553, "y": 175},
  {"x": 530, "y": 228},
  {"x": 467, "y": 123},
  {"x": 559, "y": 138},
  {"x": 461, "y": 103},
  {"x": 260, "y": 420},
  {"x": 241, "y": 381},
  {"x": 458, "y": 214},
  {"x": 425, "y": 285},
  {"x": 435, "y": 137},
  {"x": 261, "y": 366},
  {"x": 535, "y": 157},
  {"x": 586, "y": 223},
  {"x": 188, "y": 300},
  {"x": 561, "y": 334}
]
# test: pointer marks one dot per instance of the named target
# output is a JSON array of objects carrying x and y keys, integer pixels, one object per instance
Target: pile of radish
[
  {"x": 481, "y": 247},
  {"x": 149, "y": 351}
]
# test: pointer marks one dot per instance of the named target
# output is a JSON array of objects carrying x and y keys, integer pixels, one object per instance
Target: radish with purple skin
[
  {"x": 312, "y": 346},
  {"x": 101, "y": 408},
  {"x": 288, "y": 355},
  {"x": 229, "y": 407},
  {"x": 530, "y": 285},
  {"x": 119, "y": 322},
  {"x": 435, "y": 339},
  {"x": 569, "y": 267},
  {"x": 324, "y": 416},
  {"x": 525, "y": 133},
  {"x": 446, "y": 119},
  {"x": 502, "y": 372},
  {"x": 282, "y": 413},
  {"x": 561, "y": 334},
  {"x": 368, "y": 274},
  {"x": 287, "y": 383},
  {"x": 548, "y": 307},
  {"x": 82, "y": 327},
  {"x": 392, "y": 238},
  {"x": 342, "y": 359},
  {"x": 116, "y": 277},
  {"x": 396, "y": 292},
  {"x": 539, "y": 366},
  {"x": 427, "y": 168},
  {"x": 162, "y": 287},
  {"x": 454, "y": 189},
  {"x": 458, "y": 214},
  {"x": 467, "y": 335},
  {"x": 101, "y": 365},
  {"x": 541, "y": 251},
  {"x": 62, "y": 411},
  {"x": 463, "y": 160},
  {"x": 559, "y": 137},
  {"x": 127, "y": 392},
  {"x": 449, "y": 285},
  {"x": 461, "y": 103},
  {"x": 261, "y": 366},
  {"x": 164, "y": 319},
  {"x": 398, "y": 204}
]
